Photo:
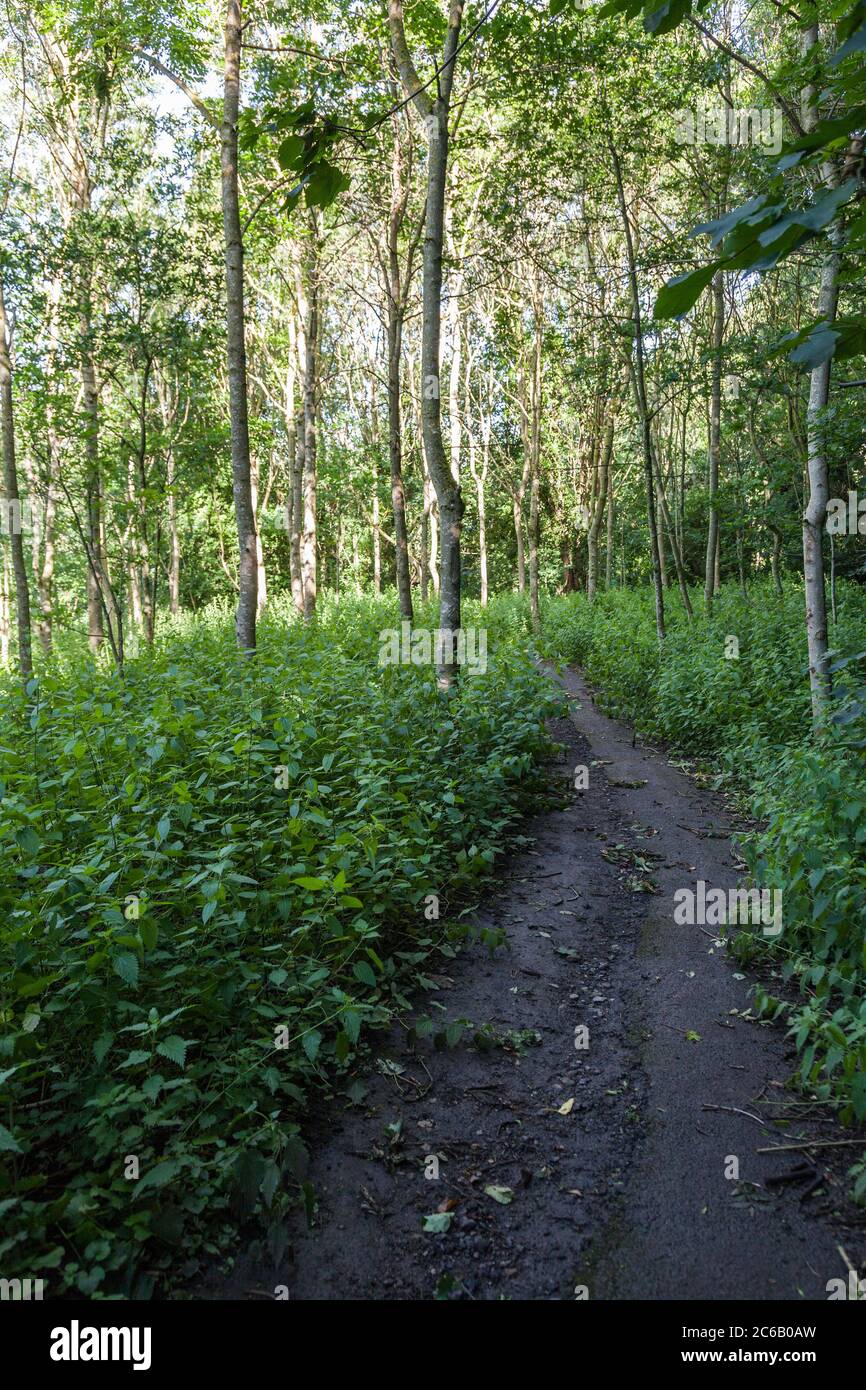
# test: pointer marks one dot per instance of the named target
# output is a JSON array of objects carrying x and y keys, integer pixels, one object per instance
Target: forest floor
[{"x": 625, "y": 1195}]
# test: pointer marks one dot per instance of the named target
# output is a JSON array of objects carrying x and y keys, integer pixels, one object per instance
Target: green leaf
[
  {"x": 352, "y": 1025},
  {"x": 174, "y": 1048},
  {"x": 855, "y": 44},
  {"x": 667, "y": 16},
  {"x": 311, "y": 1043},
  {"x": 438, "y": 1222},
  {"x": 503, "y": 1195},
  {"x": 756, "y": 209},
  {"x": 26, "y": 986},
  {"x": 8, "y": 1142},
  {"x": 158, "y": 1176},
  {"x": 291, "y": 151},
  {"x": 28, "y": 840},
  {"x": 314, "y": 885},
  {"x": 136, "y": 1059},
  {"x": 364, "y": 973},
  {"x": 126, "y": 966},
  {"x": 816, "y": 348},
  {"x": 324, "y": 184},
  {"x": 680, "y": 294}
]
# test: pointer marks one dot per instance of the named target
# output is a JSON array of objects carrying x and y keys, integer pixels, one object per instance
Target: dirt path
[{"x": 626, "y": 1193}]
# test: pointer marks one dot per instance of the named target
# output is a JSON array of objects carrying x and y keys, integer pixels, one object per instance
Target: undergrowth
[{"x": 219, "y": 876}]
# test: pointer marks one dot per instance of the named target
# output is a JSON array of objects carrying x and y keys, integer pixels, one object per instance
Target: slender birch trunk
[
  {"x": 245, "y": 620},
  {"x": 310, "y": 479},
  {"x": 535, "y": 455},
  {"x": 435, "y": 113},
  {"x": 715, "y": 437},
  {"x": 639, "y": 384},
  {"x": 611, "y": 524},
  {"x": 12, "y": 501},
  {"x": 815, "y": 513},
  {"x": 395, "y": 310}
]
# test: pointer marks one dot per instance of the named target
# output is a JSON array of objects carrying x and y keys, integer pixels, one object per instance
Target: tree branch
[{"x": 179, "y": 82}]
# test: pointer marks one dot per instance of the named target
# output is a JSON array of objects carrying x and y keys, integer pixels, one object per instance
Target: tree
[
  {"x": 12, "y": 500},
  {"x": 434, "y": 112},
  {"x": 245, "y": 621}
]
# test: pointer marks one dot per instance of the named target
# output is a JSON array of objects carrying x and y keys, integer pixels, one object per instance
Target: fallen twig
[{"x": 809, "y": 1144}]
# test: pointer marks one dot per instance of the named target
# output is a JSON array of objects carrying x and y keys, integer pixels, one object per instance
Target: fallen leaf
[
  {"x": 565, "y": 1108},
  {"x": 503, "y": 1195},
  {"x": 438, "y": 1222},
  {"x": 449, "y": 1204}
]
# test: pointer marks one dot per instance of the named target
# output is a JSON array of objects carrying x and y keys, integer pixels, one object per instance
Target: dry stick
[
  {"x": 733, "y": 1110},
  {"x": 812, "y": 1144}
]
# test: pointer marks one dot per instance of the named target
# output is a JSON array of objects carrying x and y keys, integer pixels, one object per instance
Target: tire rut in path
[{"x": 626, "y": 1193}]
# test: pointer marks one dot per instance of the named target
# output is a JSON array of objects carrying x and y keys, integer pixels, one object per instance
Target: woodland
[{"x": 362, "y": 364}]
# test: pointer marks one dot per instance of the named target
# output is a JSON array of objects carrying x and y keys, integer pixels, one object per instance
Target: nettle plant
[{"x": 189, "y": 949}]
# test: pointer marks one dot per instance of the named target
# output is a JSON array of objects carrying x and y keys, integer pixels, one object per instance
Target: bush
[{"x": 213, "y": 886}]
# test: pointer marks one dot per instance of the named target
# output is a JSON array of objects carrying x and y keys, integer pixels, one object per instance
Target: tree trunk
[
  {"x": 534, "y": 613},
  {"x": 741, "y": 564},
  {"x": 666, "y": 581},
  {"x": 95, "y": 631},
  {"x": 377, "y": 534},
  {"x": 535, "y": 455},
  {"x": 6, "y": 582},
  {"x": 674, "y": 544},
  {"x": 639, "y": 384},
  {"x": 298, "y": 515},
  {"x": 308, "y": 539},
  {"x": 395, "y": 455},
  {"x": 435, "y": 113},
  {"x": 173, "y": 538},
  {"x": 601, "y": 501},
  {"x": 261, "y": 576},
  {"x": 775, "y": 559},
  {"x": 517, "y": 516},
  {"x": 425, "y": 557},
  {"x": 815, "y": 514},
  {"x": 43, "y": 561},
  {"x": 12, "y": 503},
  {"x": 245, "y": 620},
  {"x": 715, "y": 437},
  {"x": 611, "y": 523},
  {"x": 395, "y": 309},
  {"x": 480, "y": 477}
]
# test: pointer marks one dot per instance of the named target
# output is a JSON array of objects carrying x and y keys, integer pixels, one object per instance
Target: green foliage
[
  {"x": 213, "y": 884},
  {"x": 787, "y": 213}
]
